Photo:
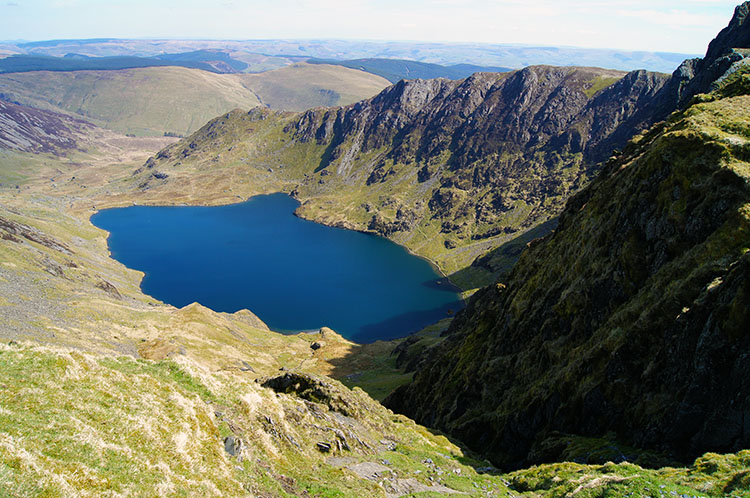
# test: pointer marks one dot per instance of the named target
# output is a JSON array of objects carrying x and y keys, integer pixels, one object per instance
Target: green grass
[
  {"x": 165, "y": 371},
  {"x": 82, "y": 424},
  {"x": 16, "y": 168},
  {"x": 148, "y": 101},
  {"x": 600, "y": 83},
  {"x": 302, "y": 86},
  {"x": 76, "y": 427}
]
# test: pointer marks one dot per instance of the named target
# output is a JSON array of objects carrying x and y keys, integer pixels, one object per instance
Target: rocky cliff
[
  {"x": 490, "y": 148},
  {"x": 631, "y": 320}
]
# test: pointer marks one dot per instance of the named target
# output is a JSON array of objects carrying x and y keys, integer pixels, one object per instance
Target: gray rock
[{"x": 234, "y": 445}]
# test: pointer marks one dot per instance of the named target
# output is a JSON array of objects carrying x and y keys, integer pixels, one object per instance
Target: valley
[{"x": 596, "y": 220}]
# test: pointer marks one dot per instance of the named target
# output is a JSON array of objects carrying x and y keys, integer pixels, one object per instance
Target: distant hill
[
  {"x": 156, "y": 100},
  {"x": 214, "y": 61},
  {"x": 76, "y": 62},
  {"x": 395, "y": 70},
  {"x": 217, "y": 60},
  {"x": 303, "y": 86},
  {"x": 143, "y": 101}
]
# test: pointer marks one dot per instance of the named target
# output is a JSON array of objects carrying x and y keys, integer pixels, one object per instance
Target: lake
[{"x": 294, "y": 274}]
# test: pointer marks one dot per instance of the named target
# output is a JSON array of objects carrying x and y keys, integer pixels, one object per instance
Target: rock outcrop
[{"x": 489, "y": 148}]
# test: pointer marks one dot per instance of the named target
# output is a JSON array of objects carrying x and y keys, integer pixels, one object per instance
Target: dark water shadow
[
  {"x": 442, "y": 284},
  {"x": 405, "y": 324}
]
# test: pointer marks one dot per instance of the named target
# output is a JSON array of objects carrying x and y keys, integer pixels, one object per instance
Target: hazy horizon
[
  {"x": 22, "y": 41},
  {"x": 670, "y": 26}
]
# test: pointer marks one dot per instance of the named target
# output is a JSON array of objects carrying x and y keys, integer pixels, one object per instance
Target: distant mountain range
[
  {"x": 216, "y": 61},
  {"x": 261, "y": 55},
  {"x": 395, "y": 70}
]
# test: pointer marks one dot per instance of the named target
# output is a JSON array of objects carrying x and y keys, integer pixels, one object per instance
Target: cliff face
[
  {"x": 698, "y": 75},
  {"x": 487, "y": 150},
  {"x": 632, "y": 318}
]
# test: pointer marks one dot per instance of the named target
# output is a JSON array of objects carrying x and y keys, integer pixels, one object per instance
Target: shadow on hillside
[
  {"x": 378, "y": 366},
  {"x": 372, "y": 367},
  {"x": 498, "y": 262}
]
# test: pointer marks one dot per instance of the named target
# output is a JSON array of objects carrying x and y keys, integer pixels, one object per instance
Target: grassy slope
[
  {"x": 78, "y": 424},
  {"x": 302, "y": 86},
  {"x": 151, "y": 101},
  {"x": 397, "y": 69},
  {"x": 145, "y": 101}
]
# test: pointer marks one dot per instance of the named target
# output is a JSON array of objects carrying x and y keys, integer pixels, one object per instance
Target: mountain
[
  {"x": 448, "y": 168},
  {"x": 217, "y": 60},
  {"x": 136, "y": 101},
  {"x": 108, "y": 392},
  {"x": 176, "y": 100},
  {"x": 629, "y": 322},
  {"x": 398, "y": 69},
  {"x": 302, "y": 86}
]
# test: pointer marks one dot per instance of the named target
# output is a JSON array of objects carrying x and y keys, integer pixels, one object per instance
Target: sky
[{"x": 683, "y": 26}]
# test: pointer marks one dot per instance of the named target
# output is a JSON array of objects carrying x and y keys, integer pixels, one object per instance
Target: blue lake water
[{"x": 294, "y": 274}]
